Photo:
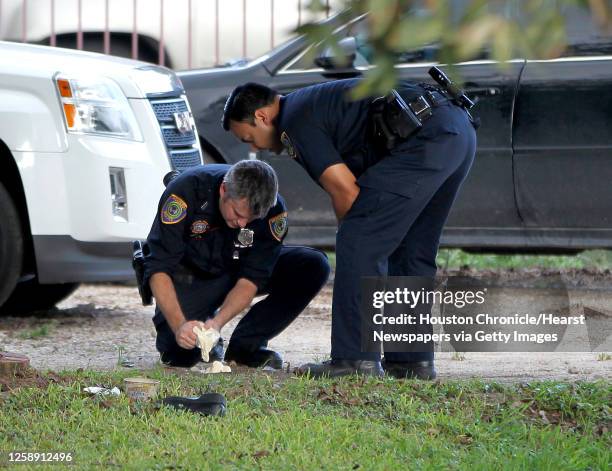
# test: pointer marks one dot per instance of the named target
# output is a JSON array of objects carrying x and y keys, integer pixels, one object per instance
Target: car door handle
[{"x": 483, "y": 91}]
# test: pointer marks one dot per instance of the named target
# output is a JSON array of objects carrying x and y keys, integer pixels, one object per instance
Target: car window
[
  {"x": 584, "y": 36},
  {"x": 358, "y": 30},
  {"x": 364, "y": 57},
  {"x": 305, "y": 60}
]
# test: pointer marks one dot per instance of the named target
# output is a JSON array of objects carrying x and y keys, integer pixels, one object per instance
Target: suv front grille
[
  {"x": 182, "y": 148},
  {"x": 184, "y": 159},
  {"x": 165, "y": 109},
  {"x": 173, "y": 138}
]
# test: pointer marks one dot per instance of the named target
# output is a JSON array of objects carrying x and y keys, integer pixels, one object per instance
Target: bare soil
[{"x": 91, "y": 327}]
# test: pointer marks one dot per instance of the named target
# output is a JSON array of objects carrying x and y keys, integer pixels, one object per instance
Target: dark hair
[
  {"x": 244, "y": 101},
  {"x": 254, "y": 180}
]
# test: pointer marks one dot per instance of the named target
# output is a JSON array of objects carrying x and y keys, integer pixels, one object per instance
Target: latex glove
[
  {"x": 216, "y": 367},
  {"x": 206, "y": 339}
]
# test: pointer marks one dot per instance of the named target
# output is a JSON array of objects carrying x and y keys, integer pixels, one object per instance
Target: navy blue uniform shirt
[
  {"x": 190, "y": 231},
  {"x": 321, "y": 126}
]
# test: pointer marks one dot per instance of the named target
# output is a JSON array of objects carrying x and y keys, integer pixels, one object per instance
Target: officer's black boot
[
  {"x": 216, "y": 354},
  {"x": 254, "y": 359},
  {"x": 406, "y": 370},
  {"x": 337, "y": 367}
]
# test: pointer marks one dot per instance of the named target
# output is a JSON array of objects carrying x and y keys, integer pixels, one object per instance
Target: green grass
[
  {"x": 38, "y": 331},
  {"x": 456, "y": 258},
  {"x": 598, "y": 259},
  {"x": 331, "y": 256},
  {"x": 276, "y": 422}
]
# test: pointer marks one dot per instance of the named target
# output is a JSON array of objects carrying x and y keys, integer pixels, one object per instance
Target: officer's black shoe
[
  {"x": 206, "y": 404},
  {"x": 216, "y": 354},
  {"x": 180, "y": 358},
  {"x": 257, "y": 359},
  {"x": 337, "y": 367},
  {"x": 417, "y": 369}
]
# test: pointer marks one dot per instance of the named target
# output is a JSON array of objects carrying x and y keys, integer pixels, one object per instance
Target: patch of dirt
[
  {"x": 100, "y": 324},
  {"x": 28, "y": 378}
]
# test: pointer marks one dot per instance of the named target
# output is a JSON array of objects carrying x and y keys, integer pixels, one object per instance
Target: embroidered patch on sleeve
[
  {"x": 278, "y": 226},
  {"x": 174, "y": 210}
]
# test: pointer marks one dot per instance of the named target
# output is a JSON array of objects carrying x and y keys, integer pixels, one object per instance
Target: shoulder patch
[
  {"x": 174, "y": 210},
  {"x": 288, "y": 145},
  {"x": 278, "y": 226}
]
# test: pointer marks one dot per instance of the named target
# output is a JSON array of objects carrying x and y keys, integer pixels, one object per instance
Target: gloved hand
[
  {"x": 185, "y": 335},
  {"x": 206, "y": 339}
]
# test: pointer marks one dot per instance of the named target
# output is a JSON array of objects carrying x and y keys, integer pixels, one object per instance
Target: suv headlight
[{"x": 96, "y": 105}]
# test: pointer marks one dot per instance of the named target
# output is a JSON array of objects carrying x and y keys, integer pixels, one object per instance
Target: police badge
[
  {"x": 286, "y": 142},
  {"x": 244, "y": 240}
]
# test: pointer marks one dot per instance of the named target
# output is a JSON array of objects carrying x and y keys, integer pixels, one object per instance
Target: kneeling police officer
[{"x": 215, "y": 244}]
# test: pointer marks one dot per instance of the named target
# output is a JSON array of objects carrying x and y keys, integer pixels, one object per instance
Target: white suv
[{"x": 85, "y": 141}]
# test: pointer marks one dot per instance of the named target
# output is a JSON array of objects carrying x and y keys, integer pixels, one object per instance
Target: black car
[{"x": 542, "y": 178}]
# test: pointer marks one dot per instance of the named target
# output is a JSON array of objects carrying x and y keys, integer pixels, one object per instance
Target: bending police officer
[{"x": 391, "y": 201}]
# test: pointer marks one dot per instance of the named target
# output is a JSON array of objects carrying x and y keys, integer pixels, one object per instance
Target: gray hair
[{"x": 254, "y": 180}]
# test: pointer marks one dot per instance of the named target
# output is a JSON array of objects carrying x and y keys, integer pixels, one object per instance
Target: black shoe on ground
[
  {"x": 257, "y": 359},
  {"x": 334, "y": 368},
  {"x": 406, "y": 370},
  {"x": 206, "y": 404}
]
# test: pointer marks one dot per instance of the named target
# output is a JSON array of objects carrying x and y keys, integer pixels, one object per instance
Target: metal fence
[{"x": 181, "y": 33}]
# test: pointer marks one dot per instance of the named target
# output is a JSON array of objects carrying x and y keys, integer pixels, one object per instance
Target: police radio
[{"x": 456, "y": 94}]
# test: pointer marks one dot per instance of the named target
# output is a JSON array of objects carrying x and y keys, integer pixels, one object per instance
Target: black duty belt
[
  {"x": 186, "y": 275},
  {"x": 393, "y": 120},
  {"x": 183, "y": 278},
  {"x": 423, "y": 105}
]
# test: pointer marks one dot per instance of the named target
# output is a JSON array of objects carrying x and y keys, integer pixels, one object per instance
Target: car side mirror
[{"x": 341, "y": 57}]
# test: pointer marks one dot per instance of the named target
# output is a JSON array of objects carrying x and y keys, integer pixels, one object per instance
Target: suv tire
[
  {"x": 11, "y": 245},
  {"x": 30, "y": 296}
]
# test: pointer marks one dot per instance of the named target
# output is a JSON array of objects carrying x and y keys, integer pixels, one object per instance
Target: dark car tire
[
  {"x": 31, "y": 296},
  {"x": 11, "y": 245}
]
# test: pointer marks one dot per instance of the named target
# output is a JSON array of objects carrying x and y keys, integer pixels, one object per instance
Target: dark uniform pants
[
  {"x": 299, "y": 274},
  {"x": 394, "y": 226}
]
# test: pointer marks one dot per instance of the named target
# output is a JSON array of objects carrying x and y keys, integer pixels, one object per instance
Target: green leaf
[
  {"x": 474, "y": 10},
  {"x": 503, "y": 43},
  {"x": 472, "y": 37},
  {"x": 382, "y": 14},
  {"x": 415, "y": 32},
  {"x": 378, "y": 80},
  {"x": 399, "y": 26}
]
